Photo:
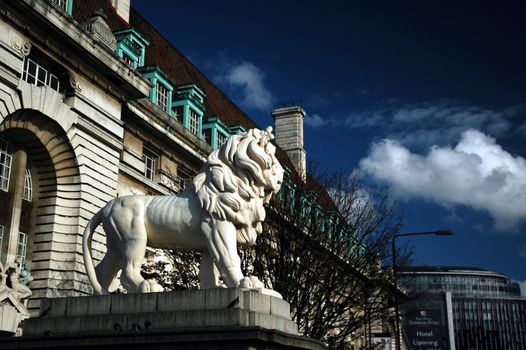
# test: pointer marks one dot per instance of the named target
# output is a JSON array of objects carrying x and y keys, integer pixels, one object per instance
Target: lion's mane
[{"x": 230, "y": 186}]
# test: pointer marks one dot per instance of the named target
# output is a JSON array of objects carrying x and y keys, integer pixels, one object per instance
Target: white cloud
[
  {"x": 477, "y": 173},
  {"x": 249, "y": 79},
  {"x": 315, "y": 121}
]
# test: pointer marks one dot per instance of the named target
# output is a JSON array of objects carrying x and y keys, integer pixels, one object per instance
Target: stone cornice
[
  {"x": 72, "y": 44},
  {"x": 195, "y": 148}
]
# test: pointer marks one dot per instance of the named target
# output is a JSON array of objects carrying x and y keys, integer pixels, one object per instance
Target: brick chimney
[
  {"x": 289, "y": 135},
  {"x": 123, "y": 8}
]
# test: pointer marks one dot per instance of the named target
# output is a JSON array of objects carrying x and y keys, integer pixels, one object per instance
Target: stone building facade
[
  {"x": 91, "y": 109},
  {"x": 94, "y": 104}
]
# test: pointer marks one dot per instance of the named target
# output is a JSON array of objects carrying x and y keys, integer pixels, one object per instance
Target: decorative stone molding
[
  {"x": 75, "y": 85},
  {"x": 21, "y": 46}
]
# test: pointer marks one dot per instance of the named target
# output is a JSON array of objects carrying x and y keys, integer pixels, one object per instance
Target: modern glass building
[{"x": 462, "y": 308}]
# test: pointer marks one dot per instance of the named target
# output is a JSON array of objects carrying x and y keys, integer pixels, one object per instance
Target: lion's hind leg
[
  {"x": 108, "y": 267},
  {"x": 133, "y": 256}
]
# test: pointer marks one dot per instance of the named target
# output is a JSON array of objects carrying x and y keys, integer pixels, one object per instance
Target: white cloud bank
[
  {"x": 250, "y": 80},
  {"x": 477, "y": 173}
]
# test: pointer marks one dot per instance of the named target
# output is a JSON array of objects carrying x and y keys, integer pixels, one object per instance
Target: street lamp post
[{"x": 393, "y": 247}]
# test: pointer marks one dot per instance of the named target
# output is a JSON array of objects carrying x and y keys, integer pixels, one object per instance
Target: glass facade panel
[{"x": 488, "y": 310}]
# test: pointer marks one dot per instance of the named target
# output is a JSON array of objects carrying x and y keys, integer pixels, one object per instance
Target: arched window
[{"x": 28, "y": 186}]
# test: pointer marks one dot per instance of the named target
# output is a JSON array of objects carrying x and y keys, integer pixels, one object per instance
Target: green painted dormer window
[
  {"x": 162, "y": 87},
  {"x": 189, "y": 108},
  {"x": 216, "y": 132},
  {"x": 131, "y": 47},
  {"x": 237, "y": 129},
  {"x": 64, "y": 5}
]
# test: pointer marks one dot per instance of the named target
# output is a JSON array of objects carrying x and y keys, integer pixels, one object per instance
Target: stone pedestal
[
  {"x": 12, "y": 312},
  {"x": 198, "y": 319}
]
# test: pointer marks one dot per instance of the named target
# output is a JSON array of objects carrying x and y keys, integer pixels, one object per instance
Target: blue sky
[{"x": 427, "y": 97}]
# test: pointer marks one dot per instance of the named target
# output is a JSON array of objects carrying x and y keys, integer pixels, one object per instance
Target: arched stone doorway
[{"x": 39, "y": 192}]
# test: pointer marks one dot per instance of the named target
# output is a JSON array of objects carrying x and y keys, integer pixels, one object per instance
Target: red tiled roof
[
  {"x": 163, "y": 54},
  {"x": 177, "y": 66}
]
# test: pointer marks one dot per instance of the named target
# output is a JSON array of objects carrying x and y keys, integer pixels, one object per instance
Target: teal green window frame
[
  {"x": 191, "y": 98},
  {"x": 216, "y": 126},
  {"x": 69, "y": 7},
  {"x": 131, "y": 36},
  {"x": 155, "y": 75},
  {"x": 123, "y": 49}
]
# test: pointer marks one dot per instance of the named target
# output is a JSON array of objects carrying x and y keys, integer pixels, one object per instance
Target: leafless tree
[{"x": 323, "y": 247}]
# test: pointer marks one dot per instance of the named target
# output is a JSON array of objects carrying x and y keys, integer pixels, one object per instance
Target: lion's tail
[{"x": 86, "y": 247}]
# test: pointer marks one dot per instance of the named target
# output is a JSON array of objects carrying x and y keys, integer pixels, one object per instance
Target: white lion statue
[{"x": 222, "y": 207}]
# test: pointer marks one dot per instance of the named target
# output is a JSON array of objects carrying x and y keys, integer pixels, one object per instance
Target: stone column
[{"x": 16, "y": 192}]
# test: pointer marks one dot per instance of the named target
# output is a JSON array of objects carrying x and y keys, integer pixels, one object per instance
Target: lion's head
[{"x": 238, "y": 179}]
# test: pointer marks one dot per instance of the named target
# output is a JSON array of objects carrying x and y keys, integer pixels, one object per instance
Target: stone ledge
[
  {"x": 158, "y": 311},
  {"x": 228, "y": 338}
]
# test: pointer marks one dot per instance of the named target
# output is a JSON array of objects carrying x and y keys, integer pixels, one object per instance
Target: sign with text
[{"x": 426, "y": 330}]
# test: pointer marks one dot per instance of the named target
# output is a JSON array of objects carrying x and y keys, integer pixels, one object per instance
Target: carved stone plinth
[
  {"x": 12, "y": 312},
  {"x": 199, "y": 319}
]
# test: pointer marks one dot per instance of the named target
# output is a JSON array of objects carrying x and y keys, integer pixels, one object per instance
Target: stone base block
[
  {"x": 159, "y": 311},
  {"x": 197, "y": 319}
]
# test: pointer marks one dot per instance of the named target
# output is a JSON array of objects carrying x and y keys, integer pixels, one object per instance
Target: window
[
  {"x": 150, "y": 159},
  {"x": 193, "y": 122},
  {"x": 61, "y": 4},
  {"x": 162, "y": 97},
  {"x": 178, "y": 113},
  {"x": 129, "y": 61},
  {"x": 37, "y": 75},
  {"x": 1, "y": 238},
  {"x": 28, "y": 186},
  {"x": 207, "y": 134},
  {"x": 6, "y": 156},
  {"x": 221, "y": 139},
  {"x": 182, "y": 180},
  {"x": 136, "y": 45},
  {"x": 21, "y": 249}
]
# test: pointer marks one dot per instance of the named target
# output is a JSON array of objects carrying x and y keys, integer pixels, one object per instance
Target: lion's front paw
[
  {"x": 150, "y": 286},
  {"x": 251, "y": 282},
  {"x": 154, "y": 286}
]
